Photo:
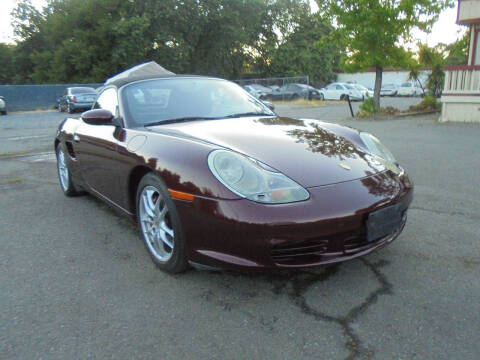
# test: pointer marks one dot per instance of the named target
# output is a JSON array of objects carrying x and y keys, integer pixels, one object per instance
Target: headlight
[
  {"x": 381, "y": 152},
  {"x": 251, "y": 179}
]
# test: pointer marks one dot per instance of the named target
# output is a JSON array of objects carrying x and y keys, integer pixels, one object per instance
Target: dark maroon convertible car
[{"x": 215, "y": 178}]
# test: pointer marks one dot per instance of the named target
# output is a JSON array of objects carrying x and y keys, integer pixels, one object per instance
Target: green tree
[
  {"x": 458, "y": 51},
  {"x": 371, "y": 31},
  {"x": 6, "y": 63},
  {"x": 433, "y": 58},
  {"x": 307, "y": 51},
  {"x": 90, "y": 40}
]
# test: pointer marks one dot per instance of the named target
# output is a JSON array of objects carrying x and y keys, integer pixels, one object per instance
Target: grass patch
[
  {"x": 13, "y": 181},
  {"x": 15, "y": 153},
  {"x": 304, "y": 102}
]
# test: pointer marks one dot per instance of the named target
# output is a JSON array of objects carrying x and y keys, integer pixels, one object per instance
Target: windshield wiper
[
  {"x": 179, "y": 120},
  {"x": 199, "y": 118},
  {"x": 247, "y": 114}
]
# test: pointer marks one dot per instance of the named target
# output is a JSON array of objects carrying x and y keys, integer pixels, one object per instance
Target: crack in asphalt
[
  {"x": 442, "y": 212},
  {"x": 295, "y": 285},
  {"x": 300, "y": 284}
]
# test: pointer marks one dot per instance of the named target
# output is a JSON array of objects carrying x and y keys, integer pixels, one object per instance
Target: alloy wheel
[
  {"x": 62, "y": 169},
  {"x": 156, "y": 224}
]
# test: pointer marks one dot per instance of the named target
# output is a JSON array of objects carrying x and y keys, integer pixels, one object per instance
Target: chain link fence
[{"x": 280, "y": 88}]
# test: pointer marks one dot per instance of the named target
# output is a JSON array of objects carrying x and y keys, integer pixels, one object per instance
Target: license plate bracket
[{"x": 383, "y": 222}]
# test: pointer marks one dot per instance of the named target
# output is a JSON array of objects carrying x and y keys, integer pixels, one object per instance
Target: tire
[
  {"x": 342, "y": 97},
  {"x": 66, "y": 183},
  {"x": 4, "y": 112},
  {"x": 294, "y": 97},
  {"x": 60, "y": 108},
  {"x": 321, "y": 97},
  {"x": 160, "y": 226},
  {"x": 69, "y": 109}
]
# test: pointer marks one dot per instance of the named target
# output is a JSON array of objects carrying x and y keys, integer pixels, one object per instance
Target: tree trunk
[{"x": 378, "y": 86}]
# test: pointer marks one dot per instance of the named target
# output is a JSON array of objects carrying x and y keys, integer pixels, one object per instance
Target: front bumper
[{"x": 329, "y": 227}]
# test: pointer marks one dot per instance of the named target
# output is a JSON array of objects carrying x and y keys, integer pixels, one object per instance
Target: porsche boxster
[{"x": 215, "y": 178}]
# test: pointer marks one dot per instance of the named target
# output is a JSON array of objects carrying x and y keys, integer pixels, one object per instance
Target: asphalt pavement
[{"x": 76, "y": 281}]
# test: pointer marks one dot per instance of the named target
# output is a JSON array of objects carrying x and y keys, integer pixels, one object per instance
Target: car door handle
[{"x": 76, "y": 138}]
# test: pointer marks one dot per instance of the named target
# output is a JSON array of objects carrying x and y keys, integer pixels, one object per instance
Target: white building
[{"x": 461, "y": 93}]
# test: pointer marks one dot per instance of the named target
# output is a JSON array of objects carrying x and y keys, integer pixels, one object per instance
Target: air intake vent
[
  {"x": 70, "y": 149},
  {"x": 311, "y": 249}
]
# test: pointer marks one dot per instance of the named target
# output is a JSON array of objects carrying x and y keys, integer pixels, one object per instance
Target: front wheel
[
  {"x": 160, "y": 225},
  {"x": 322, "y": 97},
  {"x": 66, "y": 182}
]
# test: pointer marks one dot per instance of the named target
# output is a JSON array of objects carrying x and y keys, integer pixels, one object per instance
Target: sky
[{"x": 445, "y": 30}]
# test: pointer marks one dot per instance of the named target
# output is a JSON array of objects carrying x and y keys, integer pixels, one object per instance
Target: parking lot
[{"x": 76, "y": 281}]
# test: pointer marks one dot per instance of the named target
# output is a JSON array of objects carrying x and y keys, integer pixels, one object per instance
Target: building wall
[
  {"x": 467, "y": 111},
  {"x": 389, "y": 77},
  {"x": 468, "y": 11},
  {"x": 34, "y": 97}
]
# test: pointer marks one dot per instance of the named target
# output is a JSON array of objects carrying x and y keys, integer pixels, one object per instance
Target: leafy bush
[
  {"x": 428, "y": 103},
  {"x": 368, "y": 106},
  {"x": 367, "y": 109}
]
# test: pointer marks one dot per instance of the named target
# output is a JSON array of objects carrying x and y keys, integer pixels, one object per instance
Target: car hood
[{"x": 304, "y": 150}]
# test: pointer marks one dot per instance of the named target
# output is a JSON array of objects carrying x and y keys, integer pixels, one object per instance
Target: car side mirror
[{"x": 98, "y": 117}]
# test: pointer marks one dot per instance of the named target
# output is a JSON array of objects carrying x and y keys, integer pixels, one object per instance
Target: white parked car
[
  {"x": 409, "y": 89},
  {"x": 339, "y": 91},
  {"x": 366, "y": 93},
  {"x": 389, "y": 90}
]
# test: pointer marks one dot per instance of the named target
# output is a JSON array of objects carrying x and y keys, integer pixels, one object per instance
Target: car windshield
[
  {"x": 160, "y": 101},
  {"x": 406, "y": 85},
  {"x": 83, "y": 90}
]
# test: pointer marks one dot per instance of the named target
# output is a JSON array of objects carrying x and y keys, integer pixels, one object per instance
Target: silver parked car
[
  {"x": 3, "y": 106},
  {"x": 77, "y": 98}
]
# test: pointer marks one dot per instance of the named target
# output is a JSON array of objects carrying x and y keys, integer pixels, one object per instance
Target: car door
[
  {"x": 96, "y": 149},
  {"x": 329, "y": 92}
]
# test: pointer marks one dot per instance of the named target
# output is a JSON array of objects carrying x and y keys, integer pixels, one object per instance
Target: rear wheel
[
  {"x": 342, "y": 97},
  {"x": 160, "y": 225}
]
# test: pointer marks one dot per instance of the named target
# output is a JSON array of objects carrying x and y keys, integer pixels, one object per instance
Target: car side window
[
  {"x": 339, "y": 87},
  {"x": 108, "y": 100}
]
